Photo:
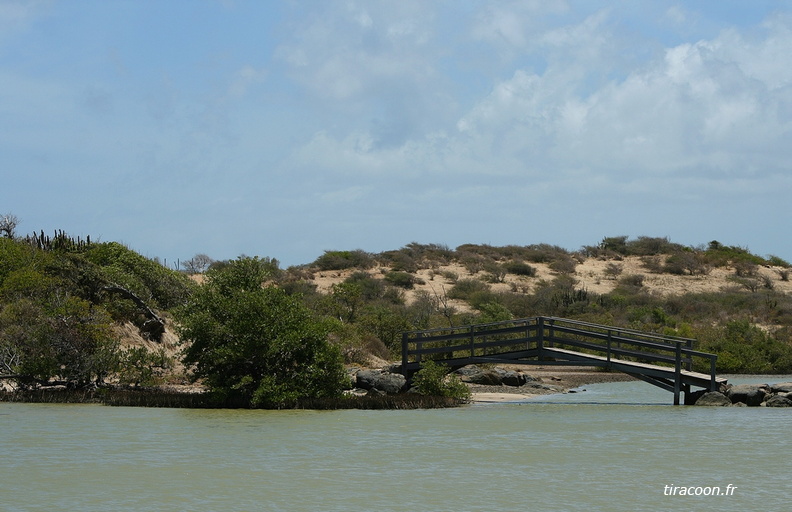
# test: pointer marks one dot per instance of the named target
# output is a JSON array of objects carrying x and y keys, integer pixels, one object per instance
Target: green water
[{"x": 589, "y": 451}]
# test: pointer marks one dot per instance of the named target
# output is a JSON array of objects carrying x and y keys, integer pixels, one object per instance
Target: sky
[{"x": 289, "y": 128}]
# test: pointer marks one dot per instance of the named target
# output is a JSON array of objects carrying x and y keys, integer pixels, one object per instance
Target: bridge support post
[
  {"x": 404, "y": 353},
  {"x": 539, "y": 338},
  {"x": 610, "y": 341},
  {"x": 678, "y": 372}
]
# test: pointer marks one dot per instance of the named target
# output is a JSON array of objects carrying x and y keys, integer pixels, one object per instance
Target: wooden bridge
[{"x": 664, "y": 361}]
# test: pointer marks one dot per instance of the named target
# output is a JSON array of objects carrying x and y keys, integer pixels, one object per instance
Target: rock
[
  {"x": 714, "y": 399},
  {"x": 778, "y": 401},
  {"x": 392, "y": 368},
  {"x": 751, "y": 395},
  {"x": 380, "y": 380},
  {"x": 468, "y": 371},
  {"x": 692, "y": 397},
  {"x": 475, "y": 375},
  {"x": 781, "y": 387},
  {"x": 512, "y": 378},
  {"x": 492, "y": 377}
]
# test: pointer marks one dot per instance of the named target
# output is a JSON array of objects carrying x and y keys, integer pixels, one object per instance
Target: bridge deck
[{"x": 688, "y": 377}]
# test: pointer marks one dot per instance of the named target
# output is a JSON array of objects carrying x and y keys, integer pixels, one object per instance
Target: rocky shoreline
[
  {"x": 493, "y": 384},
  {"x": 748, "y": 395},
  {"x": 511, "y": 383}
]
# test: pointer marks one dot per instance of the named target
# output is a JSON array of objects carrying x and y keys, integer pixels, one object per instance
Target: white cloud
[{"x": 701, "y": 109}]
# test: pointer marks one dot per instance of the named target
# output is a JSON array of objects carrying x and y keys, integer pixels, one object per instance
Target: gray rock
[
  {"x": 778, "y": 401},
  {"x": 379, "y": 380},
  {"x": 492, "y": 376},
  {"x": 714, "y": 399},
  {"x": 781, "y": 387},
  {"x": 366, "y": 379},
  {"x": 475, "y": 375},
  {"x": 751, "y": 395},
  {"x": 512, "y": 378},
  {"x": 468, "y": 371}
]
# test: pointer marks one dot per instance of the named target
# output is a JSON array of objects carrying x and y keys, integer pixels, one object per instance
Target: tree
[
  {"x": 198, "y": 264},
  {"x": 256, "y": 343},
  {"x": 66, "y": 339},
  {"x": 8, "y": 224}
]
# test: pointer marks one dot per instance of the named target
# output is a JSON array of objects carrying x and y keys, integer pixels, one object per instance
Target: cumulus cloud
[{"x": 716, "y": 108}]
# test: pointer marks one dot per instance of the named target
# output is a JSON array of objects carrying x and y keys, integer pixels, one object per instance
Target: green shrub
[
  {"x": 636, "y": 280},
  {"x": 465, "y": 288},
  {"x": 722, "y": 255},
  {"x": 496, "y": 273},
  {"x": 144, "y": 277},
  {"x": 564, "y": 265},
  {"x": 520, "y": 268},
  {"x": 433, "y": 379},
  {"x": 687, "y": 262},
  {"x": 450, "y": 275},
  {"x": 613, "y": 270},
  {"x": 775, "y": 261},
  {"x": 387, "y": 322},
  {"x": 401, "y": 279},
  {"x": 139, "y": 366},
  {"x": 371, "y": 288},
  {"x": 653, "y": 264},
  {"x": 341, "y": 260},
  {"x": 494, "y": 312},
  {"x": 400, "y": 261},
  {"x": 745, "y": 348},
  {"x": 617, "y": 244},
  {"x": 646, "y": 245}
]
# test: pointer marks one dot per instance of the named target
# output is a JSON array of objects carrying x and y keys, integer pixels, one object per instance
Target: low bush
[
  {"x": 636, "y": 280},
  {"x": 433, "y": 379},
  {"x": 341, "y": 260},
  {"x": 519, "y": 268},
  {"x": 465, "y": 288},
  {"x": 402, "y": 279}
]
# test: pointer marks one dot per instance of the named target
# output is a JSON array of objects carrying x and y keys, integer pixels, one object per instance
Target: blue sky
[{"x": 288, "y": 128}]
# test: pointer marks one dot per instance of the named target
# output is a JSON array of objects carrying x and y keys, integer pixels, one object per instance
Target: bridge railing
[
  {"x": 467, "y": 341},
  {"x": 529, "y": 337}
]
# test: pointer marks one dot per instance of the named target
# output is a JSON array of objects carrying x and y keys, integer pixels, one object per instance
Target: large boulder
[
  {"x": 751, "y": 395},
  {"x": 496, "y": 376},
  {"x": 380, "y": 380},
  {"x": 781, "y": 387},
  {"x": 714, "y": 399},
  {"x": 778, "y": 401}
]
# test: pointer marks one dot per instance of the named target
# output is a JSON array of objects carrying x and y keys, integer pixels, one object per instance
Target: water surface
[{"x": 612, "y": 448}]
